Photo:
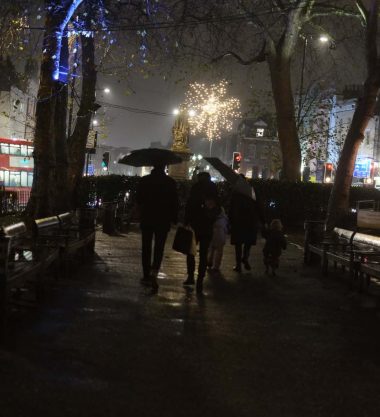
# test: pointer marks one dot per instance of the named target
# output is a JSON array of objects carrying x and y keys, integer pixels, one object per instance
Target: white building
[
  {"x": 17, "y": 114},
  {"x": 330, "y": 140}
]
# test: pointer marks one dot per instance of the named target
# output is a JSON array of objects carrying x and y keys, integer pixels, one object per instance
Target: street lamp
[
  {"x": 95, "y": 122},
  {"x": 323, "y": 39}
]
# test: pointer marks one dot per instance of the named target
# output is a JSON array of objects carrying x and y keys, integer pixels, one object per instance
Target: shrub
[{"x": 292, "y": 202}]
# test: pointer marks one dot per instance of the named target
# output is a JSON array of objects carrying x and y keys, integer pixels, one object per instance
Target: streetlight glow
[
  {"x": 192, "y": 113},
  {"x": 95, "y": 122},
  {"x": 107, "y": 90},
  {"x": 323, "y": 38},
  {"x": 176, "y": 112}
]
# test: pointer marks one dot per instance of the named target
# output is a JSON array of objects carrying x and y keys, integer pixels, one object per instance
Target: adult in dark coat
[
  {"x": 201, "y": 219},
  {"x": 245, "y": 217},
  {"x": 157, "y": 199}
]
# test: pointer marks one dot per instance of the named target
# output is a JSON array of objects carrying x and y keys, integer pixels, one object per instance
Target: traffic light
[
  {"x": 328, "y": 175},
  {"x": 236, "y": 160},
  {"x": 105, "y": 161}
]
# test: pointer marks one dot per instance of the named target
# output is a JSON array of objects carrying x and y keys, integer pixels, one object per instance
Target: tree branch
[
  {"x": 321, "y": 10},
  {"x": 260, "y": 57},
  {"x": 362, "y": 10},
  {"x": 371, "y": 35}
]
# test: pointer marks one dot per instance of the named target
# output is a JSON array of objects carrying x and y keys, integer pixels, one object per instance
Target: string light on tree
[{"x": 213, "y": 111}]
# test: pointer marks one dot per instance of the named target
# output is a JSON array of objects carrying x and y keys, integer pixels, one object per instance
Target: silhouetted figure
[
  {"x": 157, "y": 199},
  {"x": 201, "y": 219},
  {"x": 275, "y": 242},
  {"x": 245, "y": 217}
]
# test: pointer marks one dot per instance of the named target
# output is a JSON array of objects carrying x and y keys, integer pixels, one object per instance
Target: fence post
[{"x": 4, "y": 259}]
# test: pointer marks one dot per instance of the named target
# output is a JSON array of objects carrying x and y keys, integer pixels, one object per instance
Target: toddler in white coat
[{"x": 219, "y": 235}]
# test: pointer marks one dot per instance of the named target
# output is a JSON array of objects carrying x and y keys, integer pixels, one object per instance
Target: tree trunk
[
  {"x": 61, "y": 200},
  {"x": 41, "y": 200},
  {"x": 340, "y": 193},
  {"x": 78, "y": 140},
  {"x": 279, "y": 67},
  {"x": 44, "y": 190}
]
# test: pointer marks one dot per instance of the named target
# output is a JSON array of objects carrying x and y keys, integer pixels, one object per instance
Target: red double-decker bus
[{"x": 16, "y": 167}]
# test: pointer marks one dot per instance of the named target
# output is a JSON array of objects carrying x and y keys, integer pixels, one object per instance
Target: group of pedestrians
[{"x": 158, "y": 204}]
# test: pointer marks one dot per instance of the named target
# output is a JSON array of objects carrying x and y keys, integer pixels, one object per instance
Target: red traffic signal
[{"x": 328, "y": 174}]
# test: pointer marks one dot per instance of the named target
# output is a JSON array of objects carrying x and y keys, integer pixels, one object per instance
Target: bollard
[{"x": 109, "y": 218}]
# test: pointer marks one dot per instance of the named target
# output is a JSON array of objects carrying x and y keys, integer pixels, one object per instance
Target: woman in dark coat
[{"x": 245, "y": 217}]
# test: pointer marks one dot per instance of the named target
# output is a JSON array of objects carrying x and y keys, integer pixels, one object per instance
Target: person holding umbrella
[
  {"x": 157, "y": 201},
  {"x": 245, "y": 217},
  {"x": 245, "y": 214}
]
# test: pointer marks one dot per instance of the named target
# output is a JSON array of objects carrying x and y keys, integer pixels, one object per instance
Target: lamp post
[{"x": 323, "y": 39}]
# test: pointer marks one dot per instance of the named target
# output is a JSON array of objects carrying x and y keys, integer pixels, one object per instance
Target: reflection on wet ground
[{"x": 251, "y": 345}]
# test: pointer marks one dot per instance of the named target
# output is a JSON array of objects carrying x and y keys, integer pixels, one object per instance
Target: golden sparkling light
[{"x": 213, "y": 111}]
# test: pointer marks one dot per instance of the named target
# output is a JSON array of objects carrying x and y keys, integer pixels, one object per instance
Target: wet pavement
[{"x": 253, "y": 345}]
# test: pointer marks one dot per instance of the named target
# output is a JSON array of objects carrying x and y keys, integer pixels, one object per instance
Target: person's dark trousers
[
  {"x": 159, "y": 236},
  {"x": 204, "y": 243},
  {"x": 241, "y": 253}
]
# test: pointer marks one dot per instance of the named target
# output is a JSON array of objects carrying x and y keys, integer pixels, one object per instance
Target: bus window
[
  {"x": 6, "y": 178},
  {"x": 14, "y": 150},
  {"x": 24, "y": 179},
  {"x": 30, "y": 151},
  {"x": 30, "y": 179},
  {"x": 15, "y": 179},
  {"x": 24, "y": 150},
  {"x": 4, "y": 148}
]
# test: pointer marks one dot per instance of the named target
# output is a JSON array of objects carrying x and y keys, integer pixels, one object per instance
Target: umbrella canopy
[
  {"x": 228, "y": 173},
  {"x": 240, "y": 184},
  {"x": 150, "y": 157}
]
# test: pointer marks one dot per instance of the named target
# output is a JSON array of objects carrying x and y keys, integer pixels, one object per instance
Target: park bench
[
  {"x": 76, "y": 235},
  {"x": 24, "y": 259},
  {"x": 357, "y": 250}
]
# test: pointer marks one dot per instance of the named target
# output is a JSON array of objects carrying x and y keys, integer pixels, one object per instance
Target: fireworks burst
[{"x": 213, "y": 112}]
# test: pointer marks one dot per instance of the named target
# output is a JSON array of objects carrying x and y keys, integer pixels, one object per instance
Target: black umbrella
[
  {"x": 228, "y": 173},
  {"x": 239, "y": 183},
  {"x": 150, "y": 157}
]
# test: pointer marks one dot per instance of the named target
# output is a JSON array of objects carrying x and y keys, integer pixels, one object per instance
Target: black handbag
[{"x": 183, "y": 240}]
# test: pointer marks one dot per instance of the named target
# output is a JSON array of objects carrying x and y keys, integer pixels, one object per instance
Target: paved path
[{"x": 253, "y": 345}]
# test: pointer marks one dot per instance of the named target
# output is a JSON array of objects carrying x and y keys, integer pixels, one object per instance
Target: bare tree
[{"x": 256, "y": 31}]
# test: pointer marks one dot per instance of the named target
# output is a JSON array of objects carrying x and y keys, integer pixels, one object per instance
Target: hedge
[{"x": 290, "y": 201}]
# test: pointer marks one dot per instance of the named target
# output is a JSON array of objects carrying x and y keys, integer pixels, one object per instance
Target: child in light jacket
[{"x": 219, "y": 235}]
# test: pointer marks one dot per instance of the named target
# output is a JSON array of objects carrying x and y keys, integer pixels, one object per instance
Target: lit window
[{"x": 259, "y": 133}]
